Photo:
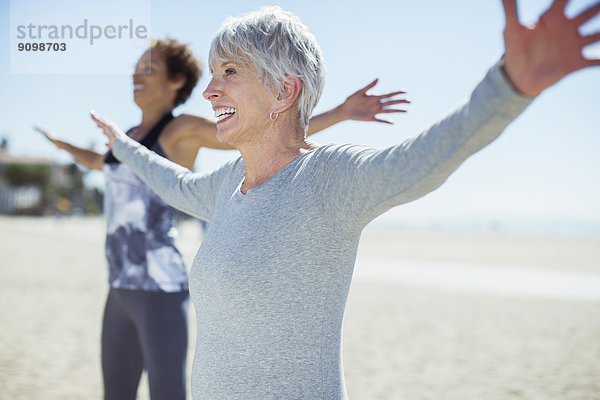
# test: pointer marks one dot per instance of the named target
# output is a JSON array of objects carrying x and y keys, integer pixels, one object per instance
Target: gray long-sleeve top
[{"x": 271, "y": 278}]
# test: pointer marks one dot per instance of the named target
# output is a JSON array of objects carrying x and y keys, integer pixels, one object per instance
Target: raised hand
[
  {"x": 87, "y": 157},
  {"x": 540, "y": 55},
  {"x": 48, "y": 136},
  {"x": 363, "y": 107},
  {"x": 111, "y": 130}
]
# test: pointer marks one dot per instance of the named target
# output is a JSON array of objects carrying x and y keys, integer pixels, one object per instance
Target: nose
[
  {"x": 137, "y": 75},
  {"x": 212, "y": 92},
  {"x": 141, "y": 70}
]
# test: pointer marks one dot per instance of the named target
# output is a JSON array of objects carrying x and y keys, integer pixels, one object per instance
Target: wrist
[
  {"x": 60, "y": 144},
  {"x": 517, "y": 79},
  {"x": 341, "y": 114}
]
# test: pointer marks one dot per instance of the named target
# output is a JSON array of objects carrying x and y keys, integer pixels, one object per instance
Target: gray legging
[{"x": 145, "y": 330}]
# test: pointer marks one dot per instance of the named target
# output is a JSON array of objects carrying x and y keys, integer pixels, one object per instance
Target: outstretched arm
[
  {"x": 536, "y": 57},
  {"x": 540, "y": 55},
  {"x": 86, "y": 157}
]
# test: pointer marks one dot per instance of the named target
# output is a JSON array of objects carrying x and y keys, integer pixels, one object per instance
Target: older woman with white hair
[{"x": 270, "y": 281}]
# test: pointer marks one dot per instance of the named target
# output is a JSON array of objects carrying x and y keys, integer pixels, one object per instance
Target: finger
[
  {"x": 46, "y": 134},
  {"x": 510, "y": 11},
  {"x": 100, "y": 121},
  {"x": 588, "y": 14},
  {"x": 590, "y": 39},
  {"x": 382, "y": 121},
  {"x": 96, "y": 117},
  {"x": 369, "y": 86},
  {"x": 392, "y": 102},
  {"x": 40, "y": 130},
  {"x": 390, "y": 111},
  {"x": 385, "y": 96}
]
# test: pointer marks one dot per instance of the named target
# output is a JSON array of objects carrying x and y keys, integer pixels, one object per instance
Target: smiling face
[
  {"x": 151, "y": 84},
  {"x": 241, "y": 103}
]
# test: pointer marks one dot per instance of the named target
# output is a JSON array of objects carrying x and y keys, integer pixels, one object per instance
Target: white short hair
[{"x": 277, "y": 44}]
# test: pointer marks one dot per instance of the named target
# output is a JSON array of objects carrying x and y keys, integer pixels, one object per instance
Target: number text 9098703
[{"x": 43, "y": 46}]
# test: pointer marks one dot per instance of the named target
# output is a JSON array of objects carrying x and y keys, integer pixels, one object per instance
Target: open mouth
[
  {"x": 224, "y": 113},
  {"x": 137, "y": 88}
]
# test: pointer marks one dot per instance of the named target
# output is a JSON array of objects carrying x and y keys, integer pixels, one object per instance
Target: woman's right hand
[{"x": 111, "y": 130}]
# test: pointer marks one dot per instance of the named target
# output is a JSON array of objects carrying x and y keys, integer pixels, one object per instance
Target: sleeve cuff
[{"x": 507, "y": 82}]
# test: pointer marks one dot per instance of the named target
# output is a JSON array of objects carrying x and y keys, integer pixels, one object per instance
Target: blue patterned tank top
[{"x": 141, "y": 232}]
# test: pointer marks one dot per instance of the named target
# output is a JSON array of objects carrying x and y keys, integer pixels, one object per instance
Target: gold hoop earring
[{"x": 275, "y": 117}]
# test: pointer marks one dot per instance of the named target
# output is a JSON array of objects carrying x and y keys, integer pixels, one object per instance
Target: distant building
[{"x": 36, "y": 185}]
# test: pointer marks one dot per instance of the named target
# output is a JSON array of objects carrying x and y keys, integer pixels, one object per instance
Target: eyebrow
[
  {"x": 147, "y": 63},
  {"x": 225, "y": 64}
]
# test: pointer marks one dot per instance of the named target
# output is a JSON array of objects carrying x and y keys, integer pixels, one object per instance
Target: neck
[
  {"x": 152, "y": 114},
  {"x": 273, "y": 150}
]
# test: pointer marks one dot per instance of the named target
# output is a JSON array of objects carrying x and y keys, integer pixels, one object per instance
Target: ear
[
  {"x": 291, "y": 90},
  {"x": 178, "y": 81}
]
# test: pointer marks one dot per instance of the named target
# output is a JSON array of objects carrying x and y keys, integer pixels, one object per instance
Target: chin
[
  {"x": 137, "y": 100},
  {"x": 223, "y": 138},
  {"x": 226, "y": 137}
]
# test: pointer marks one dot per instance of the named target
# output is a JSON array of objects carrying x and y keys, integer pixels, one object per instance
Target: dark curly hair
[{"x": 180, "y": 60}]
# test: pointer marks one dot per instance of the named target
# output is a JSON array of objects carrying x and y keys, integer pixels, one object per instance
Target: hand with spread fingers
[
  {"x": 540, "y": 55},
  {"x": 363, "y": 107}
]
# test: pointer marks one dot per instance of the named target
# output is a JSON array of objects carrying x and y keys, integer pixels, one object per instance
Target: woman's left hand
[
  {"x": 363, "y": 107},
  {"x": 111, "y": 130},
  {"x": 540, "y": 55}
]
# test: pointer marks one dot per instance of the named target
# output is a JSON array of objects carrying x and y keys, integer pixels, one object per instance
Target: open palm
[
  {"x": 363, "y": 107},
  {"x": 540, "y": 55}
]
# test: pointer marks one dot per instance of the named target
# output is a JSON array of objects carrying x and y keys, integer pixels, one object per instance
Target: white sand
[{"x": 405, "y": 337}]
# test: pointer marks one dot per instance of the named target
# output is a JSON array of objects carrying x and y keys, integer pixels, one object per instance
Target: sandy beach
[{"x": 431, "y": 315}]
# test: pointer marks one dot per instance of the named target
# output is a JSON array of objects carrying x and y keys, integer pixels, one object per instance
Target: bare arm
[
  {"x": 359, "y": 106},
  {"x": 202, "y": 132},
  {"x": 86, "y": 157}
]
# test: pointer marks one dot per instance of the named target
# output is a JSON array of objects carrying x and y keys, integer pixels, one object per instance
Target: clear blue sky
[{"x": 546, "y": 166}]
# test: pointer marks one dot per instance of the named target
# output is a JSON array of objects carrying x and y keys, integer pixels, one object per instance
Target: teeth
[
  {"x": 138, "y": 87},
  {"x": 224, "y": 112}
]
